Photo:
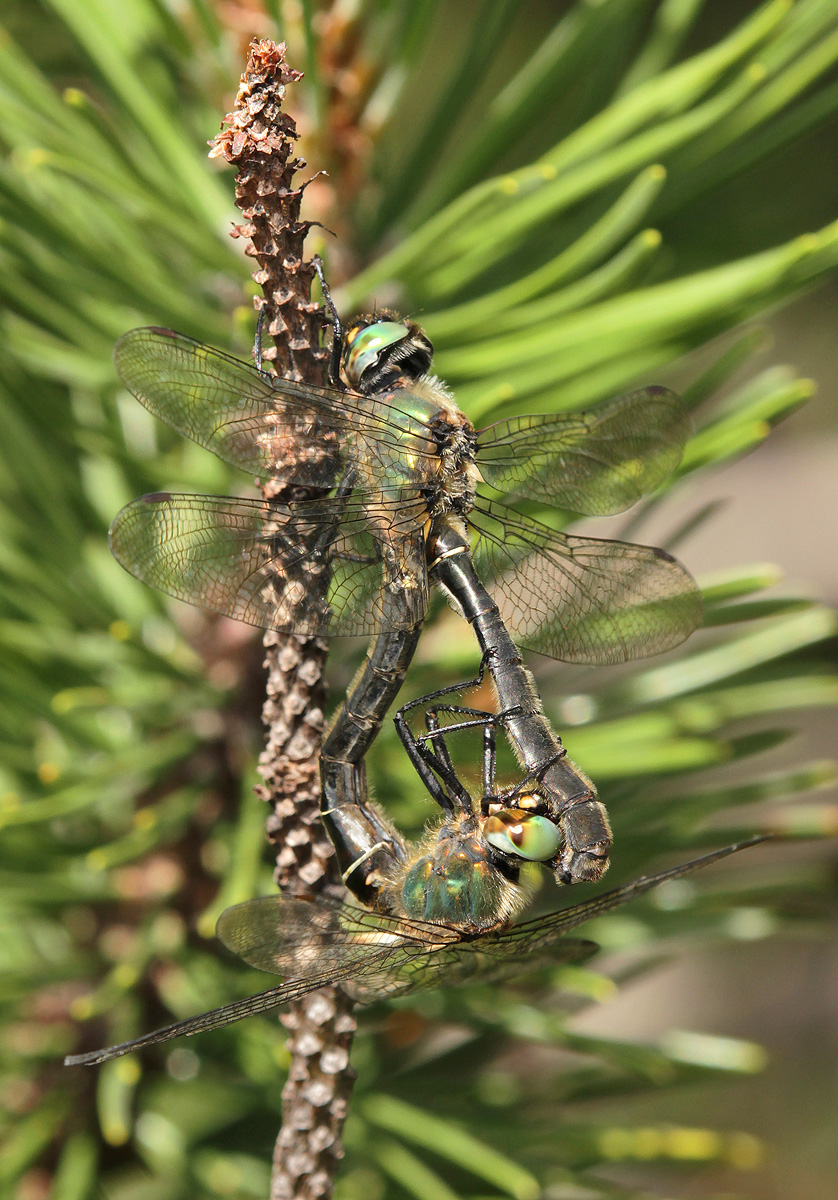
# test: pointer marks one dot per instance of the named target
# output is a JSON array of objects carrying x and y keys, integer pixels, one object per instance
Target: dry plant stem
[{"x": 259, "y": 142}]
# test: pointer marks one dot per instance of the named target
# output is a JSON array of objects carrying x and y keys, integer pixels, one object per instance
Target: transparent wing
[
  {"x": 596, "y": 462},
  {"x": 482, "y": 960},
  {"x": 389, "y": 955},
  {"x": 333, "y": 942},
  {"x": 303, "y": 935},
  {"x": 533, "y": 937},
  {"x": 578, "y": 599},
  {"x": 314, "y": 569},
  {"x": 308, "y": 937},
  {"x": 542, "y": 941},
  {"x": 372, "y": 955},
  {"x": 266, "y": 425},
  {"x": 368, "y": 954},
  {"x": 250, "y": 1006}
]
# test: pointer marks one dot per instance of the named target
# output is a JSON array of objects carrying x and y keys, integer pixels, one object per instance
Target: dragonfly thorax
[
  {"x": 453, "y": 486},
  {"x": 457, "y": 880}
]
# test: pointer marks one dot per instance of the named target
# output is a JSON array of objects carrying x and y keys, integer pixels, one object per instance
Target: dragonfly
[
  {"x": 433, "y": 914},
  {"x": 404, "y": 465}
]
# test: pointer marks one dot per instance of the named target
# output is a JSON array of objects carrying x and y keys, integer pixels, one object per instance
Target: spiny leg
[
  {"x": 482, "y": 717},
  {"x": 489, "y": 759},
  {"x": 257, "y": 339},
  {"x": 429, "y": 752},
  {"x": 433, "y": 763},
  {"x": 466, "y": 686},
  {"x": 336, "y": 352},
  {"x": 431, "y": 767},
  {"x": 489, "y": 721},
  {"x": 431, "y": 757}
]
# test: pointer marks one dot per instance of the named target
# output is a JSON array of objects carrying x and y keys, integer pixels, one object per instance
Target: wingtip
[
  {"x": 132, "y": 335},
  {"x": 83, "y": 1060}
]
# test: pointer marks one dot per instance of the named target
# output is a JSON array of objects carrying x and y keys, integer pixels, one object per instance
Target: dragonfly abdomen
[
  {"x": 366, "y": 844},
  {"x": 572, "y": 798}
]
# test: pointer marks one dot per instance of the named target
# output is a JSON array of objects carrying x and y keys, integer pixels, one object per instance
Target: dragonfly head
[
  {"x": 380, "y": 347},
  {"x": 520, "y": 834},
  {"x": 518, "y": 826}
]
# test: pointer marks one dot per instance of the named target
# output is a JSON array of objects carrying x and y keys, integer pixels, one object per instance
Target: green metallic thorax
[
  {"x": 431, "y": 450},
  {"x": 453, "y": 882},
  {"x": 413, "y": 461}
]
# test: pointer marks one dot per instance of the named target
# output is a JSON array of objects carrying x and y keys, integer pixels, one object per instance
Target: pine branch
[{"x": 260, "y": 143}]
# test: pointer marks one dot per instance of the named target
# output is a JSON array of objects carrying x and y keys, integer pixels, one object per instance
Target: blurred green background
[{"x": 494, "y": 168}]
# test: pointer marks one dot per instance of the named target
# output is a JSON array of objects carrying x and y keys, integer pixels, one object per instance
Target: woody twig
[{"x": 259, "y": 141}]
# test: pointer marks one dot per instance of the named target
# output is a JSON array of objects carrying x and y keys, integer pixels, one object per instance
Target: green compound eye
[
  {"x": 364, "y": 348},
  {"x": 524, "y": 835}
]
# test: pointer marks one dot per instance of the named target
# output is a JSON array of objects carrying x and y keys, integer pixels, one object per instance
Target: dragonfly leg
[
  {"x": 433, "y": 765},
  {"x": 334, "y": 321},
  {"x": 481, "y": 717},
  {"x": 466, "y": 686},
  {"x": 431, "y": 758},
  {"x": 534, "y": 776},
  {"x": 489, "y": 759},
  {"x": 435, "y": 737},
  {"x": 257, "y": 339}
]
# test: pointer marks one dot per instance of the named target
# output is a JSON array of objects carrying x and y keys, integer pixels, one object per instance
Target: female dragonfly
[{"x": 434, "y": 914}]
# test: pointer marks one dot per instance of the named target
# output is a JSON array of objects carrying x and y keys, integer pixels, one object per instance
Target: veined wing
[
  {"x": 579, "y": 599},
  {"x": 264, "y": 424},
  {"x": 543, "y": 941},
  {"x": 478, "y": 960},
  {"x": 301, "y": 936},
  {"x": 495, "y": 956},
  {"x": 536, "y": 936},
  {"x": 372, "y": 955},
  {"x": 393, "y": 955},
  {"x": 250, "y": 1006},
  {"x": 390, "y": 955},
  {"x": 596, "y": 462},
  {"x": 327, "y": 943},
  {"x": 312, "y": 568}
]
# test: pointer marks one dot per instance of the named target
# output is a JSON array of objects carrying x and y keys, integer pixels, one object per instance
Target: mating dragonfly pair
[{"x": 404, "y": 472}]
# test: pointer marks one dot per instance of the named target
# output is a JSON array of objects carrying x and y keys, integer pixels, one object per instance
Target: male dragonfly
[
  {"x": 404, "y": 462},
  {"x": 435, "y": 914}
]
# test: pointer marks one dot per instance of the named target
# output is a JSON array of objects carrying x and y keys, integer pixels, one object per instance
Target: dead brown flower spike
[{"x": 259, "y": 141}]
